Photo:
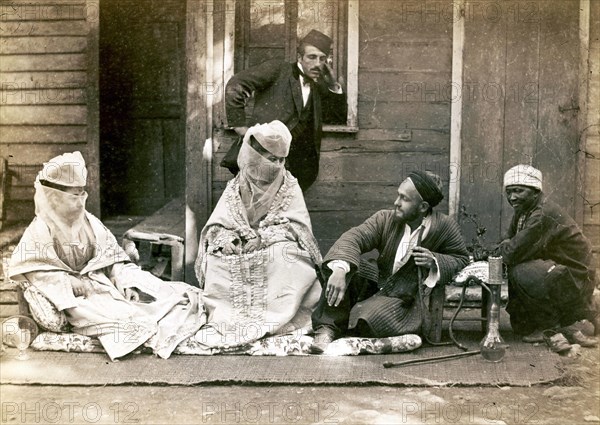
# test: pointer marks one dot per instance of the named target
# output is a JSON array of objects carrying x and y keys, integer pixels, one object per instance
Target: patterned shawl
[{"x": 287, "y": 219}]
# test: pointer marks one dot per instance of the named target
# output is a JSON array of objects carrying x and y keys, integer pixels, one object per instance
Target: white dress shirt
[{"x": 407, "y": 243}]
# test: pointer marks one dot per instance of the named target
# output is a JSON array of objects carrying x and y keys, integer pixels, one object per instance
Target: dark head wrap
[{"x": 427, "y": 187}]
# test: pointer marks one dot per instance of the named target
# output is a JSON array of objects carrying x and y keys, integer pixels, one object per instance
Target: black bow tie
[{"x": 307, "y": 81}]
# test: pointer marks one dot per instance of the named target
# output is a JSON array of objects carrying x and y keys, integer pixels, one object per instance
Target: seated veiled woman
[
  {"x": 77, "y": 264},
  {"x": 257, "y": 253}
]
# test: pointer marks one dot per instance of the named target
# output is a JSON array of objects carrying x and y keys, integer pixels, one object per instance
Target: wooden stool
[
  {"x": 165, "y": 227},
  {"x": 438, "y": 302}
]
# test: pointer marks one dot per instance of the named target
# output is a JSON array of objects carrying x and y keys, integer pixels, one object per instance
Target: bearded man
[{"x": 418, "y": 249}]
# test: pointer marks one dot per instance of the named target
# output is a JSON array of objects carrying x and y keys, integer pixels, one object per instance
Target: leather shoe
[
  {"x": 556, "y": 341},
  {"x": 575, "y": 336},
  {"x": 535, "y": 336},
  {"x": 324, "y": 336}
]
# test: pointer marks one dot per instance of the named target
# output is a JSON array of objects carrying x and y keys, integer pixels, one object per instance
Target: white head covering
[
  {"x": 523, "y": 175},
  {"x": 274, "y": 137},
  {"x": 66, "y": 170},
  {"x": 63, "y": 212},
  {"x": 260, "y": 178}
]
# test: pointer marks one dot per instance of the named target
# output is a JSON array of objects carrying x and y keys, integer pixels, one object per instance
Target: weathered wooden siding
[
  {"x": 404, "y": 69},
  {"x": 404, "y": 73},
  {"x": 520, "y": 96},
  {"x": 48, "y": 92}
]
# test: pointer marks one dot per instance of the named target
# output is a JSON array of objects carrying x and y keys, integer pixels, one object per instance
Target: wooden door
[
  {"x": 142, "y": 104},
  {"x": 520, "y": 104}
]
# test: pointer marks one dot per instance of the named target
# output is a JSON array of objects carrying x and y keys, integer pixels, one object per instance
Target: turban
[
  {"x": 427, "y": 187},
  {"x": 274, "y": 137},
  {"x": 65, "y": 170},
  {"x": 523, "y": 175},
  {"x": 319, "y": 40}
]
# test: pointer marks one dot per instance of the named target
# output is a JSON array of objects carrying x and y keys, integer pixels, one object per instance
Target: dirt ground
[{"x": 575, "y": 400}]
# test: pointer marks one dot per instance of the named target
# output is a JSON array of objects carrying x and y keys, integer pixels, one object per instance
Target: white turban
[
  {"x": 66, "y": 170},
  {"x": 523, "y": 175},
  {"x": 274, "y": 137}
]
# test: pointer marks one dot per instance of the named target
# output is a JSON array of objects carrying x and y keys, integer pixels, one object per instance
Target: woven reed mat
[{"x": 523, "y": 365}]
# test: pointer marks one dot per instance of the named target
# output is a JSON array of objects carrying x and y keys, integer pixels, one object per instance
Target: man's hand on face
[
  {"x": 328, "y": 75},
  {"x": 336, "y": 287}
]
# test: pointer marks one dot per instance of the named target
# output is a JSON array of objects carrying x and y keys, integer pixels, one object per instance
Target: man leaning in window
[{"x": 293, "y": 93}]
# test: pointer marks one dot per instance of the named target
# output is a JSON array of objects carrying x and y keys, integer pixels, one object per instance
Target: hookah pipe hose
[
  {"x": 431, "y": 359},
  {"x": 423, "y": 311},
  {"x": 460, "y": 304},
  {"x": 423, "y": 308},
  {"x": 436, "y": 359}
]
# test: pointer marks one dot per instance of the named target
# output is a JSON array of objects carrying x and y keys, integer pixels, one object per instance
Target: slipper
[
  {"x": 535, "y": 336},
  {"x": 577, "y": 337},
  {"x": 556, "y": 341}
]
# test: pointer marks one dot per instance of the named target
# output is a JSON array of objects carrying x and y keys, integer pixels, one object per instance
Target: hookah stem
[{"x": 431, "y": 359}]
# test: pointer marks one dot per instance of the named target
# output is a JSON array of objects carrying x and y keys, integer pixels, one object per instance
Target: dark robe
[
  {"x": 385, "y": 302},
  {"x": 549, "y": 269}
]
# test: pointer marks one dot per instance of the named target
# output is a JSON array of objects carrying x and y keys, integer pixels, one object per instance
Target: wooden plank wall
[
  {"x": 405, "y": 66},
  {"x": 521, "y": 89},
  {"x": 48, "y": 102},
  {"x": 404, "y": 75},
  {"x": 520, "y": 79}
]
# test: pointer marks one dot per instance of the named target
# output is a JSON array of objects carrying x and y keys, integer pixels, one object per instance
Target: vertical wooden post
[
  {"x": 458, "y": 40},
  {"x": 352, "y": 60},
  {"x": 92, "y": 17},
  {"x": 4, "y": 186},
  {"x": 229, "y": 43},
  {"x": 196, "y": 132},
  {"x": 207, "y": 151},
  {"x": 582, "y": 119}
]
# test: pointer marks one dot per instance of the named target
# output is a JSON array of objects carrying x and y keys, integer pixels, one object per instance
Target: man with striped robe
[{"x": 418, "y": 248}]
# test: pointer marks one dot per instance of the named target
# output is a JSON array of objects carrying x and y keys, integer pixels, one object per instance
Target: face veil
[
  {"x": 262, "y": 167},
  {"x": 64, "y": 212},
  {"x": 260, "y": 180}
]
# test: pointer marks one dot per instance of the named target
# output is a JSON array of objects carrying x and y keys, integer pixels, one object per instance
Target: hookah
[{"x": 492, "y": 347}]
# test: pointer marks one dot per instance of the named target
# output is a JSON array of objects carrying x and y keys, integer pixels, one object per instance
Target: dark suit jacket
[{"x": 277, "y": 96}]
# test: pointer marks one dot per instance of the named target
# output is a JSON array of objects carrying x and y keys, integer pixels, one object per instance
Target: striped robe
[{"x": 392, "y": 311}]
